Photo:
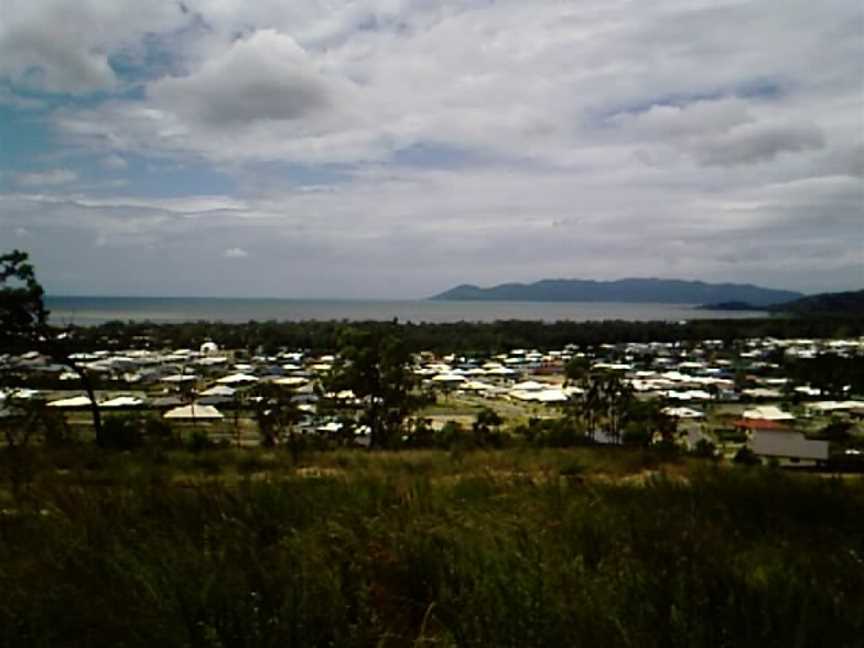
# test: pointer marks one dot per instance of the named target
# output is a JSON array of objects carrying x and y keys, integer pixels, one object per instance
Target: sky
[{"x": 395, "y": 148}]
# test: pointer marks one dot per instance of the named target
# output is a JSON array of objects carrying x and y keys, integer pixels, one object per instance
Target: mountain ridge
[{"x": 631, "y": 289}]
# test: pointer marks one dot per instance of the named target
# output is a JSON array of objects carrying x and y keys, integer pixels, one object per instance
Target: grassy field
[{"x": 582, "y": 547}]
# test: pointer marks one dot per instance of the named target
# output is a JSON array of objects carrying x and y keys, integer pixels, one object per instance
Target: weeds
[{"x": 412, "y": 548}]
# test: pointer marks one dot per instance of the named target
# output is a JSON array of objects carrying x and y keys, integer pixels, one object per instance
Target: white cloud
[
  {"x": 460, "y": 140},
  {"x": 361, "y": 80},
  {"x": 758, "y": 143},
  {"x": 266, "y": 76},
  {"x": 50, "y": 178},
  {"x": 235, "y": 253},
  {"x": 58, "y": 46}
]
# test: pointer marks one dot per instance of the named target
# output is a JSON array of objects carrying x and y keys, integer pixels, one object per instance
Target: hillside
[
  {"x": 842, "y": 303},
  {"x": 661, "y": 291}
]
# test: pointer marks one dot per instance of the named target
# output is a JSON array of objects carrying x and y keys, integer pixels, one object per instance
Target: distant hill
[
  {"x": 660, "y": 291},
  {"x": 731, "y": 306},
  {"x": 842, "y": 303}
]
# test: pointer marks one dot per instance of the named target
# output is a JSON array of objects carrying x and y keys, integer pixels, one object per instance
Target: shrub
[
  {"x": 450, "y": 434},
  {"x": 746, "y": 457},
  {"x": 704, "y": 448},
  {"x": 123, "y": 432},
  {"x": 199, "y": 441}
]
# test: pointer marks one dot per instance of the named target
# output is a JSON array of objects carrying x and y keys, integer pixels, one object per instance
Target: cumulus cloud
[
  {"x": 57, "y": 46},
  {"x": 362, "y": 81},
  {"x": 266, "y": 76},
  {"x": 50, "y": 178}
]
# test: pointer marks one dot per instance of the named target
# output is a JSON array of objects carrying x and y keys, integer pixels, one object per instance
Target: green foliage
[
  {"x": 396, "y": 552},
  {"x": 577, "y": 370},
  {"x": 123, "y": 432},
  {"x": 276, "y": 414},
  {"x": 375, "y": 364},
  {"x": 704, "y": 448},
  {"x": 22, "y": 310},
  {"x": 451, "y": 435},
  {"x": 199, "y": 441},
  {"x": 832, "y": 374},
  {"x": 470, "y": 338},
  {"x": 837, "y": 430},
  {"x": 746, "y": 456},
  {"x": 487, "y": 429},
  {"x": 24, "y": 323},
  {"x": 636, "y": 433},
  {"x": 554, "y": 433}
]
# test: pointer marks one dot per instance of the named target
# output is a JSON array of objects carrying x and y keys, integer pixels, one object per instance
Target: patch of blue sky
[
  {"x": 758, "y": 88},
  {"x": 23, "y": 137},
  {"x": 447, "y": 156},
  {"x": 153, "y": 58},
  {"x": 289, "y": 175},
  {"x": 168, "y": 178}
]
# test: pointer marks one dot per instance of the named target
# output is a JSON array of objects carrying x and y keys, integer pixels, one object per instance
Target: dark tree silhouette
[
  {"x": 24, "y": 324},
  {"x": 375, "y": 364}
]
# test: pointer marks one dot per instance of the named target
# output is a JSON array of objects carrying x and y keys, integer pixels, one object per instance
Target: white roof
[
  {"x": 768, "y": 413},
  {"x": 552, "y": 396},
  {"x": 194, "y": 411},
  {"x": 237, "y": 378},
  {"x": 808, "y": 391},
  {"x": 448, "y": 377},
  {"x": 123, "y": 401},
  {"x": 219, "y": 390},
  {"x": 75, "y": 401},
  {"x": 475, "y": 385},
  {"x": 831, "y": 406},
  {"x": 500, "y": 371},
  {"x": 689, "y": 394},
  {"x": 762, "y": 392},
  {"x": 682, "y": 412},
  {"x": 290, "y": 381},
  {"x": 178, "y": 378},
  {"x": 529, "y": 385}
]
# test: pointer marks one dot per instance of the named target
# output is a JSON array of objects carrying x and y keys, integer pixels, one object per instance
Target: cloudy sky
[{"x": 394, "y": 148}]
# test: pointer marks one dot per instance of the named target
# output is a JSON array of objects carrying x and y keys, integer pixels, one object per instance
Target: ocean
[{"x": 86, "y": 311}]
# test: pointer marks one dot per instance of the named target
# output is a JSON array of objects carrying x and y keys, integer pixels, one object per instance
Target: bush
[
  {"x": 123, "y": 432},
  {"x": 704, "y": 448},
  {"x": 637, "y": 434},
  {"x": 746, "y": 457},
  {"x": 554, "y": 433},
  {"x": 452, "y": 433},
  {"x": 158, "y": 429},
  {"x": 199, "y": 441}
]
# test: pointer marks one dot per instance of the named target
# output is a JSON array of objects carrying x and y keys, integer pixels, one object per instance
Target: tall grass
[{"x": 419, "y": 549}]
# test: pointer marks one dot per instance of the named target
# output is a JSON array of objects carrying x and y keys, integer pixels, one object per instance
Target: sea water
[{"x": 86, "y": 311}]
